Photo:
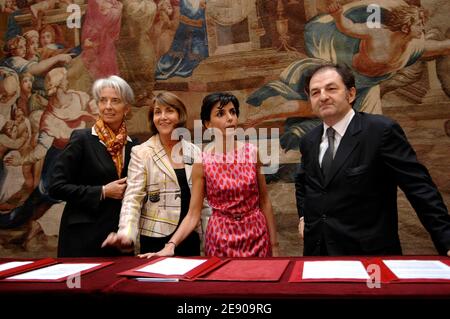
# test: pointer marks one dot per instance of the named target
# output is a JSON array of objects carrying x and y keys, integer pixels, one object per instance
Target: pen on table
[{"x": 151, "y": 279}]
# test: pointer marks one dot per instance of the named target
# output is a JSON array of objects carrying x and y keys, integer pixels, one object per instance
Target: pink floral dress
[{"x": 237, "y": 226}]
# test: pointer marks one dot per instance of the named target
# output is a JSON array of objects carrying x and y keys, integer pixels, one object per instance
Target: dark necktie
[{"x": 328, "y": 156}]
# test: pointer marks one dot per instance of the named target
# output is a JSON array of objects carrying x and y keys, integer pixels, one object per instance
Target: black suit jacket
[
  {"x": 354, "y": 210},
  {"x": 79, "y": 173}
]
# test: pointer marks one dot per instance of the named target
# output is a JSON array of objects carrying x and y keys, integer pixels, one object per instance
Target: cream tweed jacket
[{"x": 152, "y": 201}]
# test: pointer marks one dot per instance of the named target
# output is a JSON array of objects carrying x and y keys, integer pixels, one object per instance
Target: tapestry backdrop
[{"x": 257, "y": 49}]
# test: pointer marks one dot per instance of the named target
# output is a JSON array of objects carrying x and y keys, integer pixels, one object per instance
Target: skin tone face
[
  {"x": 46, "y": 38},
  {"x": 8, "y": 88},
  {"x": 9, "y": 4},
  {"x": 33, "y": 44},
  {"x": 417, "y": 28},
  {"x": 112, "y": 108},
  {"x": 330, "y": 99},
  {"x": 21, "y": 49},
  {"x": 166, "y": 119},
  {"x": 60, "y": 81},
  {"x": 225, "y": 119},
  {"x": 166, "y": 6},
  {"x": 27, "y": 84},
  {"x": 19, "y": 116}
]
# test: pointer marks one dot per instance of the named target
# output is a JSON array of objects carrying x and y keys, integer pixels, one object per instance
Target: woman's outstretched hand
[
  {"x": 121, "y": 242},
  {"x": 167, "y": 251}
]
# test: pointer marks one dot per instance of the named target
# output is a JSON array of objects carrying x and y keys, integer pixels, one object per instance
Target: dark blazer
[
  {"x": 354, "y": 211},
  {"x": 79, "y": 173}
]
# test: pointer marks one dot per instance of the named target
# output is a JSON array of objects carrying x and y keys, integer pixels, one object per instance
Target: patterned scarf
[{"x": 114, "y": 142}]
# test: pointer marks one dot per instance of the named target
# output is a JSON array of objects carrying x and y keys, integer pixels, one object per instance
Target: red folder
[
  {"x": 100, "y": 265},
  {"x": 28, "y": 267},
  {"x": 248, "y": 270},
  {"x": 206, "y": 266},
  {"x": 386, "y": 275},
  {"x": 396, "y": 280}
]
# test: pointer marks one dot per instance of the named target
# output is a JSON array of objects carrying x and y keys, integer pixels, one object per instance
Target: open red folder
[
  {"x": 213, "y": 268},
  {"x": 27, "y": 267},
  {"x": 414, "y": 276},
  {"x": 385, "y": 274},
  {"x": 376, "y": 269},
  {"x": 158, "y": 268},
  {"x": 55, "y": 272}
]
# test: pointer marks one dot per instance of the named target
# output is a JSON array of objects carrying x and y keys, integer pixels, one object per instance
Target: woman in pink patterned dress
[{"x": 242, "y": 222}]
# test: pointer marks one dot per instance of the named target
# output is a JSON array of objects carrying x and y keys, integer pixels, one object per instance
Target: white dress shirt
[{"x": 340, "y": 129}]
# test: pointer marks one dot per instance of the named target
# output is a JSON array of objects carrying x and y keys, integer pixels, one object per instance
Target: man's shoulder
[
  {"x": 312, "y": 133},
  {"x": 374, "y": 117},
  {"x": 373, "y": 121}
]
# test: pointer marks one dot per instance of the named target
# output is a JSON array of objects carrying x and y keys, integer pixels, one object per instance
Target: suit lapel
[
  {"x": 348, "y": 143},
  {"x": 103, "y": 157},
  {"x": 315, "y": 140},
  {"x": 128, "y": 147},
  {"x": 188, "y": 158},
  {"x": 161, "y": 159}
]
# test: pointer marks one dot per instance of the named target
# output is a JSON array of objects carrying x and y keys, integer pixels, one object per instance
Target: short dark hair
[
  {"x": 342, "y": 69},
  {"x": 223, "y": 98},
  {"x": 167, "y": 99}
]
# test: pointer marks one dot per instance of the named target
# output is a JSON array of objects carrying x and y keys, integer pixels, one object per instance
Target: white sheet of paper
[
  {"x": 172, "y": 266},
  {"x": 54, "y": 272},
  {"x": 345, "y": 269},
  {"x": 415, "y": 269},
  {"x": 14, "y": 264}
]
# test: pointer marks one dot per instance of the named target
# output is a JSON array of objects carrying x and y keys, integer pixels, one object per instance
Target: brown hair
[
  {"x": 13, "y": 44},
  {"x": 167, "y": 99},
  {"x": 399, "y": 16}
]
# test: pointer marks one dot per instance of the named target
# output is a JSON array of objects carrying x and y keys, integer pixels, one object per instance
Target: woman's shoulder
[
  {"x": 145, "y": 147},
  {"x": 191, "y": 152},
  {"x": 190, "y": 145},
  {"x": 81, "y": 133},
  {"x": 141, "y": 146},
  {"x": 134, "y": 141}
]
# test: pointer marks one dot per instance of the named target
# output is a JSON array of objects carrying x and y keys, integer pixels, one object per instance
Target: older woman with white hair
[{"x": 90, "y": 174}]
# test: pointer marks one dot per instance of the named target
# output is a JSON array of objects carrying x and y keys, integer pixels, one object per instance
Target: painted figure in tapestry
[
  {"x": 374, "y": 54},
  {"x": 101, "y": 29},
  {"x": 190, "y": 44},
  {"x": 66, "y": 110}
]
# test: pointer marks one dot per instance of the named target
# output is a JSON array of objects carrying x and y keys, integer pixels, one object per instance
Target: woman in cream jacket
[{"x": 158, "y": 185}]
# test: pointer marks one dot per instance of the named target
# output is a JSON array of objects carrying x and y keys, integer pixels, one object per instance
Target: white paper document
[
  {"x": 54, "y": 272},
  {"x": 345, "y": 269},
  {"x": 415, "y": 269},
  {"x": 172, "y": 266},
  {"x": 14, "y": 264}
]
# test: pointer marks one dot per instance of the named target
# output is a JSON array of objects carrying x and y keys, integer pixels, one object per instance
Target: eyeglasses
[{"x": 113, "y": 101}]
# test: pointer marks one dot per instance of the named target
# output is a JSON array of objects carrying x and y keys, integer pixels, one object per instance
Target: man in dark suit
[{"x": 346, "y": 186}]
